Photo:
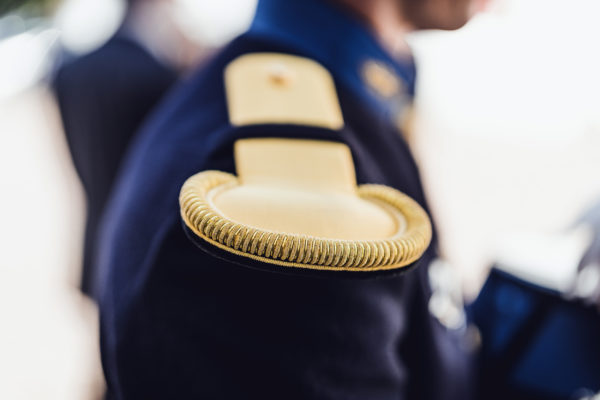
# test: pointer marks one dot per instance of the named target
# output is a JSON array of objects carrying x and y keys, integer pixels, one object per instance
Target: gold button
[
  {"x": 381, "y": 79},
  {"x": 280, "y": 74}
]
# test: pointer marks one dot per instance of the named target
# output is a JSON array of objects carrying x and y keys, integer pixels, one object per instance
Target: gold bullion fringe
[{"x": 302, "y": 250}]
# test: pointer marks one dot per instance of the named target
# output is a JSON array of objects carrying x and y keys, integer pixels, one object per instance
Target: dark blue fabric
[
  {"x": 103, "y": 98},
  {"x": 177, "y": 322},
  {"x": 536, "y": 344}
]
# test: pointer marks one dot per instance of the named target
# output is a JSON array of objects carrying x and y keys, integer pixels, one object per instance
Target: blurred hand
[
  {"x": 591, "y": 219},
  {"x": 588, "y": 281}
]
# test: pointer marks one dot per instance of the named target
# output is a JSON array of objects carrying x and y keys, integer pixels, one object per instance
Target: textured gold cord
[{"x": 303, "y": 251}]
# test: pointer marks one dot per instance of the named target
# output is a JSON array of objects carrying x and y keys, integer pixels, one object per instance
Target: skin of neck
[{"x": 386, "y": 20}]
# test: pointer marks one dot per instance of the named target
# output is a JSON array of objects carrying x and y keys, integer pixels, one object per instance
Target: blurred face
[{"x": 440, "y": 14}]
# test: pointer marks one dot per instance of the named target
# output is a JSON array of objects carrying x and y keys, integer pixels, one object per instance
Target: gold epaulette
[{"x": 295, "y": 203}]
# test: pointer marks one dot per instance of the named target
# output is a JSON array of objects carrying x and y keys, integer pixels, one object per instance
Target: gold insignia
[
  {"x": 381, "y": 79},
  {"x": 271, "y": 88},
  {"x": 295, "y": 203}
]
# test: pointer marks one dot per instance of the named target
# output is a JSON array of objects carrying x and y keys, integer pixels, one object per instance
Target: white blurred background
[{"x": 507, "y": 133}]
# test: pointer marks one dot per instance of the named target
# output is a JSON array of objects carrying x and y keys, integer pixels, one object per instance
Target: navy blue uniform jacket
[{"x": 179, "y": 323}]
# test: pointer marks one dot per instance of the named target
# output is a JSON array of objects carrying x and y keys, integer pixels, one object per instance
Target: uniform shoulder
[
  {"x": 117, "y": 61},
  {"x": 293, "y": 203}
]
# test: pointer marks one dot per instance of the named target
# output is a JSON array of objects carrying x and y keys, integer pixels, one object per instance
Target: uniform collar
[{"x": 338, "y": 40}]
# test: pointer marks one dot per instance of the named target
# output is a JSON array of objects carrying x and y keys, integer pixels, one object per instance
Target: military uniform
[{"x": 270, "y": 274}]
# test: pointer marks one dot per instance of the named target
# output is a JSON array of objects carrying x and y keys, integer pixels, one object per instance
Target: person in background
[
  {"x": 281, "y": 284},
  {"x": 104, "y": 97}
]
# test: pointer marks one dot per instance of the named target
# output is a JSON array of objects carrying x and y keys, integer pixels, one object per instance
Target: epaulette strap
[{"x": 273, "y": 88}]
